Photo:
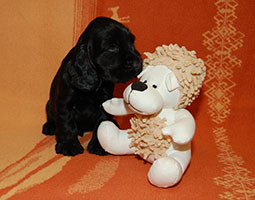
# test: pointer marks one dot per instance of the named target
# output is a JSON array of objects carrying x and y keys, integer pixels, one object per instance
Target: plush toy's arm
[
  {"x": 182, "y": 131},
  {"x": 117, "y": 106}
]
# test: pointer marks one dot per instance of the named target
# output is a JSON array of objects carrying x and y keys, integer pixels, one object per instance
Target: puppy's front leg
[
  {"x": 66, "y": 129},
  {"x": 94, "y": 146}
]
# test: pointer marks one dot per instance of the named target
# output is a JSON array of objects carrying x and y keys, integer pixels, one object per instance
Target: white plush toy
[{"x": 162, "y": 129}]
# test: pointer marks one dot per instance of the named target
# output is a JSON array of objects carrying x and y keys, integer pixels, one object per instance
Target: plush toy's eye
[
  {"x": 145, "y": 81},
  {"x": 154, "y": 86}
]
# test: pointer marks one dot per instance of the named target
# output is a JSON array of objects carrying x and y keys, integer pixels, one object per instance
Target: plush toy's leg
[
  {"x": 114, "y": 140},
  {"x": 168, "y": 171},
  {"x": 165, "y": 172},
  {"x": 182, "y": 156}
]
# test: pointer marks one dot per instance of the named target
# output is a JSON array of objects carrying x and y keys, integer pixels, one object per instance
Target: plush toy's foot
[
  {"x": 165, "y": 172},
  {"x": 113, "y": 140}
]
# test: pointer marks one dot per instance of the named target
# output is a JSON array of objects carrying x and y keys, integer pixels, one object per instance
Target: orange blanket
[{"x": 35, "y": 37}]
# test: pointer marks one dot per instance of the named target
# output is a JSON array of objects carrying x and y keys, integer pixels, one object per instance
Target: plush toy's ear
[
  {"x": 142, "y": 73},
  {"x": 171, "y": 82}
]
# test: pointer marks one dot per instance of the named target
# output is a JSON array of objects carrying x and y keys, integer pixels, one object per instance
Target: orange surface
[{"x": 36, "y": 35}]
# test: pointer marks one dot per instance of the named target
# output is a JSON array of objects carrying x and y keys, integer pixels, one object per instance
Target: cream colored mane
[{"x": 189, "y": 70}]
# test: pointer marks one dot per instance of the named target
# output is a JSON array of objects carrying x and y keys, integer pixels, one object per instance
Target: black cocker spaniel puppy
[{"x": 104, "y": 55}]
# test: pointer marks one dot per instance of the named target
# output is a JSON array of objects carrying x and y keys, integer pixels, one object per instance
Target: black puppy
[{"x": 104, "y": 54}]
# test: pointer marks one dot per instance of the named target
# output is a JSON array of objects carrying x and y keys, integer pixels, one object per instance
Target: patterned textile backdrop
[{"x": 223, "y": 161}]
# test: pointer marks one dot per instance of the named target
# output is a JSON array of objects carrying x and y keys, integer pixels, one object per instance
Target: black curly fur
[{"x": 104, "y": 55}]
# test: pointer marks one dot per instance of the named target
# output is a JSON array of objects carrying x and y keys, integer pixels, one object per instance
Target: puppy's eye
[
  {"x": 113, "y": 49},
  {"x": 154, "y": 86}
]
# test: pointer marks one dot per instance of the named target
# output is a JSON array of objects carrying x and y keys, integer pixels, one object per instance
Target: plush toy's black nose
[{"x": 138, "y": 85}]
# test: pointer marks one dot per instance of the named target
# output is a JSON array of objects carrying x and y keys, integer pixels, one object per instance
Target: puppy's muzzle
[
  {"x": 139, "y": 86},
  {"x": 133, "y": 62}
]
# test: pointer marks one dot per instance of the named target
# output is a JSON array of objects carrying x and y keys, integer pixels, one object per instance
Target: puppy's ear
[
  {"x": 171, "y": 82},
  {"x": 83, "y": 73}
]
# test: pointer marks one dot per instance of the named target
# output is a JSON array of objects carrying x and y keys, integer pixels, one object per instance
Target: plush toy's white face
[{"x": 157, "y": 89}]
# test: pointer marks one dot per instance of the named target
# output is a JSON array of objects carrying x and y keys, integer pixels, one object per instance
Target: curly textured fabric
[
  {"x": 147, "y": 137},
  {"x": 189, "y": 70}
]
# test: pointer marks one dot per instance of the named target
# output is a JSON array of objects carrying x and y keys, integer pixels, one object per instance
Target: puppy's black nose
[{"x": 138, "y": 85}]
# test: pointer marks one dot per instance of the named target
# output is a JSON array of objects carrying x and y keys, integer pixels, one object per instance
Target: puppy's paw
[
  {"x": 48, "y": 129},
  {"x": 95, "y": 148},
  {"x": 70, "y": 148}
]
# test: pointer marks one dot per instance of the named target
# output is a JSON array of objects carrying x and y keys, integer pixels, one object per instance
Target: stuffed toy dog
[{"x": 161, "y": 130}]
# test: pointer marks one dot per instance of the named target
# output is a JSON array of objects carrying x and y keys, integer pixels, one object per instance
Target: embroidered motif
[
  {"x": 221, "y": 41},
  {"x": 236, "y": 179},
  {"x": 116, "y": 16}
]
